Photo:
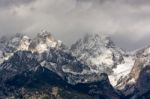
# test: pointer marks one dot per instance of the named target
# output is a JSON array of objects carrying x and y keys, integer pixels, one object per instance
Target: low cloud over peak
[{"x": 127, "y": 21}]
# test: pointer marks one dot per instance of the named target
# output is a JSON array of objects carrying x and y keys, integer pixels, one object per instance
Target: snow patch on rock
[{"x": 121, "y": 70}]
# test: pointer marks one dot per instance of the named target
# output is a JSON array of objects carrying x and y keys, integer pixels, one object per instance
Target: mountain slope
[
  {"x": 23, "y": 72},
  {"x": 136, "y": 83}
]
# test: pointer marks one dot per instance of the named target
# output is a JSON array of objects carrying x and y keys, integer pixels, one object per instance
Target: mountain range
[{"x": 92, "y": 68}]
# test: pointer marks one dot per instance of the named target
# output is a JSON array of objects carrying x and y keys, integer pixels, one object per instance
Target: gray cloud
[
  {"x": 9, "y": 3},
  {"x": 127, "y": 21}
]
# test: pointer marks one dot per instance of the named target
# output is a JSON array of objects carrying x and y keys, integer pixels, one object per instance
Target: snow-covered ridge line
[
  {"x": 96, "y": 51},
  {"x": 42, "y": 42}
]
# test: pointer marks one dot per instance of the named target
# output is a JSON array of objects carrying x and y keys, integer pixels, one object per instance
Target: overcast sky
[{"x": 126, "y": 21}]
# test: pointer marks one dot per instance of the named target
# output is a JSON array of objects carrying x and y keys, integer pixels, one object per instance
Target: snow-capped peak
[
  {"x": 94, "y": 40},
  {"x": 24, "y": 43},
  {"x": 45, "y": 40},
  {"x": 20, "y": 42},
  {"x": 98, "y": 51}
]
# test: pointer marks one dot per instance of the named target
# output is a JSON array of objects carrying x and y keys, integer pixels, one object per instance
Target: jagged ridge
[{"x": 81, "y": 66}]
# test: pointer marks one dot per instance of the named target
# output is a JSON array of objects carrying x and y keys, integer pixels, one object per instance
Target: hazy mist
[{"x": 126, "y": 21}]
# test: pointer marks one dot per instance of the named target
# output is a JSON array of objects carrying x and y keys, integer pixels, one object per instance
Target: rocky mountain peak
[
  {"x": 24, "y": 43},
  {"x": 20, "y": 42},
  {"x": 44, "y": 35},
  {"x": 96, "y": 38},
  {"x": 43, "y": 42},
  {"x": 93, "y": 40},
  {"x": 98, "y": 51}
]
